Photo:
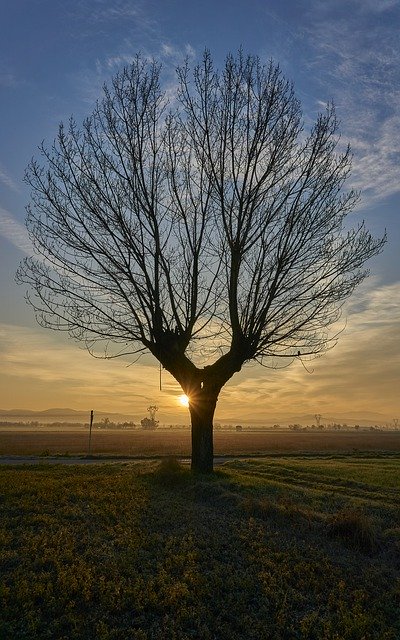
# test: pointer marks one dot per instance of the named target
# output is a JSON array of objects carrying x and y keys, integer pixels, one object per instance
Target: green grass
[{"x": 284, "y": 548}]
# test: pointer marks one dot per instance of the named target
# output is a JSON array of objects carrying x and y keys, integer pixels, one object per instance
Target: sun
[{"x": 184, "y": 400}]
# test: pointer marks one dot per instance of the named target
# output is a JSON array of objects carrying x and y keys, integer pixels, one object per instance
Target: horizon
[{"x": 351, "y": 418}]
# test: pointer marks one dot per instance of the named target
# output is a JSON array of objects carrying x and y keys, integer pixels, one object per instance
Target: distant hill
[
  {"x": 45, "y": 412},
  {"x": 61, "y": 415}
]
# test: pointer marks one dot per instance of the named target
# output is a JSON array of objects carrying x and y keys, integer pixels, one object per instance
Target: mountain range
[{"x": 60, "y": 415}]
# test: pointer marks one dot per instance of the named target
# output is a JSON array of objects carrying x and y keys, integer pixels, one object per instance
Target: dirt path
[
  {"x": 72, "y": 460},
  {"x": 53, "y": 460}
]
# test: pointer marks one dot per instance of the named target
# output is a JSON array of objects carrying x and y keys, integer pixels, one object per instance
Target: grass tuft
[
  {"x": 169, "y": 472},
  {"x": 170, "y": 465},
  {"x": 354, "y": 528}
]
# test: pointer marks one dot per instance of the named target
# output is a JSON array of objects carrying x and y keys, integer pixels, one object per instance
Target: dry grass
[{"x": 177, "y": 443}]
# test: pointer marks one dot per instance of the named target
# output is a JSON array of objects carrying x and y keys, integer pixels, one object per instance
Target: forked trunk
[{"x": 202, "y": 414}]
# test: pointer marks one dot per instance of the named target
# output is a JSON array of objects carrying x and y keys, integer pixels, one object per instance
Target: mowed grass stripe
[{"x": 294, "y": 477}]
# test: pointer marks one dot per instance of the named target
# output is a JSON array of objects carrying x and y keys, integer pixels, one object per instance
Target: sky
[{"x": 55, "y": 57}]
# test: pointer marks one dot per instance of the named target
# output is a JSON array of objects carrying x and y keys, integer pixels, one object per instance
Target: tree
[{"x": 207, "y": 229}]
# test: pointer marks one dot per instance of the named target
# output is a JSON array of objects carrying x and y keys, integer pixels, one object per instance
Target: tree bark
[{"x": 202, "y": 414}]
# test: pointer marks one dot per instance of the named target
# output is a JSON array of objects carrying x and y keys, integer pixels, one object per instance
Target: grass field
[
  {"x": 19, "y": 441},
  {"x": 287, "y": 547}
]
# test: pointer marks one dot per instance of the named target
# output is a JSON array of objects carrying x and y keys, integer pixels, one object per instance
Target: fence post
[{"x": 90, "y": 432}]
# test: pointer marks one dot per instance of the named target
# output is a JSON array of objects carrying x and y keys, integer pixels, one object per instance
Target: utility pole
[{"x": 90, "y": 432}]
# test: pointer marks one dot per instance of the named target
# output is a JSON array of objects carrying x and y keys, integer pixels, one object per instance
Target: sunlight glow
[{"x": 184, "y": 400}]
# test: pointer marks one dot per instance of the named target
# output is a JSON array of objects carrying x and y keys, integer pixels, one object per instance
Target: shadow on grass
[{"x": 248, "y": 562}]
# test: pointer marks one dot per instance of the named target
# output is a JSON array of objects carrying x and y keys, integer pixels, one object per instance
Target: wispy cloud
[
  {"x": 44, "y": 368},
  {"x": 176, "y": 54},
  {"x": 376, "y": 6},
  {"x": 362, "y": 371},
  {"x": 377, "y": 163},
  {"x": 90, "y": 81},
  {"x": 8, "y": 79},
  {"x": 15, "y": 232},
  {"x": 359, "y": 375},
  {"x": 359, "y": 58},
  {"x": 136, "y": 12},
  {"x": 7, "y": 181},
  {"x": 134, "y": 28},
  {"x": 99, "y": 12},
  {"x": 127, "y": 25}
]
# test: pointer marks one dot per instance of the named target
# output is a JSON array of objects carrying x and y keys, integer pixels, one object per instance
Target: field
[
  {"x": 288, "y": 547},
  {"x": 19, "y": 441}
]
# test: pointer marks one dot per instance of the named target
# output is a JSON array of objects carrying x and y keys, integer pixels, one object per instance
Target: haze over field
[
  {"x": 53, "y": 61},
  {"x": 66, "y": 416}
]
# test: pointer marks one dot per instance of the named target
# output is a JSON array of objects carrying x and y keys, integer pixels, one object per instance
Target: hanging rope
[{"x": 299, "y": 357}]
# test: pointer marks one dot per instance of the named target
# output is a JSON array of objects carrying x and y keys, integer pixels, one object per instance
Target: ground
[
  {"x": 45, "y": 441},
  {"x": 281, "y": 547}
]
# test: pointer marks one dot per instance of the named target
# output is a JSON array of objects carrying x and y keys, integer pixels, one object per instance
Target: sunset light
[
  {"x": 354, "y": 383},
  {"x": 184, "y": 400},
  {"x": 200, "y": 319}
]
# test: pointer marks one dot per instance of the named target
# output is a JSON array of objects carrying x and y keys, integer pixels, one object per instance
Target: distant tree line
[{"x": 341, "y": 427}]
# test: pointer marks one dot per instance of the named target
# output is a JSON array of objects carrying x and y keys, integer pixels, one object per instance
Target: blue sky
[{"x": 55, "y": 57}]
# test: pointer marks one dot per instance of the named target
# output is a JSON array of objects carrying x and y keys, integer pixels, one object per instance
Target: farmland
[
  {"x": 291, "y": 547},
  {"x": 137, "y": 443}
]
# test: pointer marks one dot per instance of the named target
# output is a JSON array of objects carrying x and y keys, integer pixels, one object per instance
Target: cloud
[
  {"x": 356, "y": 58},
  {"x": 359, "y": 374},
  {"x": 90, "y": 81},
  {"x": 45, "y": 370},
  {"x": 15, "y": 232},
  {"x": 348, "y": 51},
  {"x": 167, "y": 52},
  {"x": 376, "y": 6},
  {"x": 98, "y": 12},
  {"x": 376, "y": 165},
  {"x": 176, "y": 55},
  {"x": 119, "y": 10},
  {"x": 124, "y": 28},
  {"x": 8, "y": 181},
  {"x": 134, "y": 29},
  {"x": 8, "y": 79}
]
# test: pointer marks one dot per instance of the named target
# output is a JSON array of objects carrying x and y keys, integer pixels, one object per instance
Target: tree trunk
[{"x": 202, "y": 413}]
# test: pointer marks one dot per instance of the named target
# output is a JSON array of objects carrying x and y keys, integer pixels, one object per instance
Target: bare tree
[{"x": 207, "y": 230}]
